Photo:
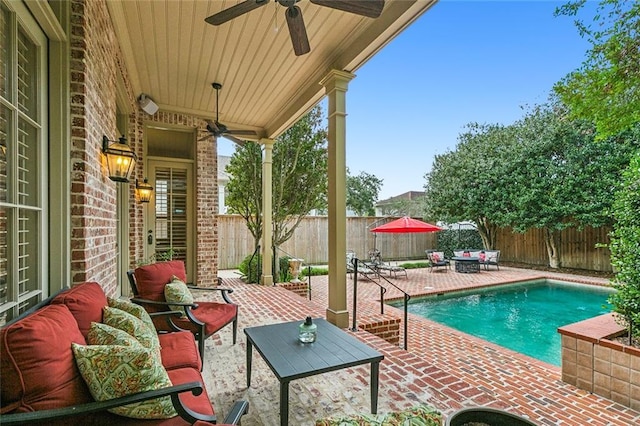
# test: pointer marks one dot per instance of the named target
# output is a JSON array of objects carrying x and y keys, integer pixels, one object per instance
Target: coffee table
[
  {"x": 289, "y": 359},
  {"x": 467, "y": 265}
]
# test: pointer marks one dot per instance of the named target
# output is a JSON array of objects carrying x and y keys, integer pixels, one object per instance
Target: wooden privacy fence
[
  {"x": 311, "y": 239},
  {"x": 577, "y": 249}
]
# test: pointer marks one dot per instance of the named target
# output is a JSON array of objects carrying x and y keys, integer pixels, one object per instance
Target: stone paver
[{"x": 442, "y": 367}]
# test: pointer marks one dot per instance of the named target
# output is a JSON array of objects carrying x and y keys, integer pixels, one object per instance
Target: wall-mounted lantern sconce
[
  {"x": 121, "y": 160},
  {"x": 144, "y": 190}
]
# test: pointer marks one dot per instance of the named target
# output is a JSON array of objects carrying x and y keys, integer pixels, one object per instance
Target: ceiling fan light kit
[{"x": 293, "y": 14}]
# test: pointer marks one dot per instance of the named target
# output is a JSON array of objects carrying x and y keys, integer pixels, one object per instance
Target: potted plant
[{"x": 486, "y": 416}]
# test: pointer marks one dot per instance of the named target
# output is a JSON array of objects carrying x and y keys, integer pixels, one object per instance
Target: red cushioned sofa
[{"x": 40, "y": 382}]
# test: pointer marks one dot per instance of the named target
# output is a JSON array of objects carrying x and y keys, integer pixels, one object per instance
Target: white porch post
[
  {"x": 335, "y": 84},
  {"x": 267, "y": 212}
]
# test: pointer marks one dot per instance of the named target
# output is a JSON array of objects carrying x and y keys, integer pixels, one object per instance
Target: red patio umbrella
[{"x": 405, "y": 225}]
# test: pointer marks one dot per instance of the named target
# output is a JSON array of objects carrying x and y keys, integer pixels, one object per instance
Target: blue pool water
[{"x": 522, "y": 317}]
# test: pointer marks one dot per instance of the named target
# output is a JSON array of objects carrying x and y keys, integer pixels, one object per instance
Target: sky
[{"x": 460, "y": 62}]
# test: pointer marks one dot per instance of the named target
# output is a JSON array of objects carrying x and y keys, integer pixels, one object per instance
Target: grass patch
[
  {"x": 315, "y": 270},
  {"x": 414, "y": 265}
]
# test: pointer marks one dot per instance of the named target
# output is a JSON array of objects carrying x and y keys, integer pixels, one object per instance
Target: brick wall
[
  {"x": 593, "y": 362},
  {"x": 93, "y": 195},
  {"x": 96, "y": 61}
]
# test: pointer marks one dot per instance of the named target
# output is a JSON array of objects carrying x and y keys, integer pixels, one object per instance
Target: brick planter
[
  {"x": 301, "y": 288},
  {"x": 592, "y": 362}
]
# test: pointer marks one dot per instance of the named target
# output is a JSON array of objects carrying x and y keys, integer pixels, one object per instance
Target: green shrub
[
  {"x": 284, "y": 274},
  {"x": 453, "y": 239},
  {"x": 625, "y": 249},
  {"x": 251, "y": 275}
]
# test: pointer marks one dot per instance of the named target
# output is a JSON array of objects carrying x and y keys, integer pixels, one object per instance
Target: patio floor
[{"x": 442, "y": 367}]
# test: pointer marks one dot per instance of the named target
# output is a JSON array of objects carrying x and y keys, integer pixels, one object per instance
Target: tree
[
  {"x": 299, "y": 174},
  {"x": 606, "y": 88},
  {"x": 299, "y": 178},
  {"x": 467, "y": 184},
  {"x": 362, "y": 193},
  {"x": 404, "y": 207},
  {"x": 562, "y": 178},
  {"x": 544, "y": 171},
  {"x": 244, "y": 190}
]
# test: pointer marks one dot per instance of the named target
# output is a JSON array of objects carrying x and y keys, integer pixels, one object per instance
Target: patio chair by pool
[
  {"x": 376, "y": 260},
  {"x": 437, "y": 260},
  {"x": 491, "y": 257},
  {"x": 161, "y": 287},
  {"x": 364, "y": 269}
]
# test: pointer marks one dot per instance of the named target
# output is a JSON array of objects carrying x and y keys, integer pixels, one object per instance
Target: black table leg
[
  {"x": 375, "y": 370},
  {"x": 284, "y": 403},
  {"x": 249, "y": 351}
]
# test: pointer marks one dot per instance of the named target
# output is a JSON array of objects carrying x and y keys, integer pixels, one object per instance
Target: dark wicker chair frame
[
  {"x": 441, "y": 263},
  {"x": 190, "y": 310}
]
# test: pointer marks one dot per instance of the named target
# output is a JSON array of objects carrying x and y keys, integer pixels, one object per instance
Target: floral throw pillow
[
  {"x": 177, "y": 291},
  {"x": 421, "y": 415},
  {"x": 112, "y": 371},
  {"x": 122, "y": 320},
  {"x": 135, "y": 310},
  {"x": 103, "y": 334}
]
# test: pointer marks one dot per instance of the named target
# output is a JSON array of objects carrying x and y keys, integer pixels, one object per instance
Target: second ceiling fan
[
  {"x": 293, "y": 14},
  {"x": 217, "y": 129}
]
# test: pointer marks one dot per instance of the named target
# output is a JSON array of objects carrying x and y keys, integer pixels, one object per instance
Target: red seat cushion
[
  {"x": 85, "y": 301},
  {"x": 151, "y": 279},
  {"x": 215, "y": 315},
  {"x": 201, "y": 403},
  {"x": 37, "y": 366},
  {"x": 178, "y": 350}
]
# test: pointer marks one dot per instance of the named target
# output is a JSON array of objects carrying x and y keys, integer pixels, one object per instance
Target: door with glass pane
[
  {"x": 170, "y": 214},
  {"x": 23, "y": 136}
]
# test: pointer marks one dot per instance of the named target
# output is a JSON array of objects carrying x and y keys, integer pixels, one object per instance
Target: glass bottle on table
[{"x": 308, "y": 331}]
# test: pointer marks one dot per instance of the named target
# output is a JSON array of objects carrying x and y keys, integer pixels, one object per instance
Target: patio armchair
[
  {"x": 490, "y": 257},
  {"x": 151, "y": 284},
  {"x": 437, "y": 260}
]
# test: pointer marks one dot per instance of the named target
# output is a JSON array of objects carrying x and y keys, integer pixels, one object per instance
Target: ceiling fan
[
  {"x": 293, "y": 14},
  {"x": 217, "y": 129}
]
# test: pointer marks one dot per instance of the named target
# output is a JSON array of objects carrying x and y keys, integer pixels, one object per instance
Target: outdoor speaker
[{"x": 148, "y": 105}]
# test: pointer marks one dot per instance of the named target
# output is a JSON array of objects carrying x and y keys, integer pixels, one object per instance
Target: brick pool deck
[{"x": 441, "y": 366}]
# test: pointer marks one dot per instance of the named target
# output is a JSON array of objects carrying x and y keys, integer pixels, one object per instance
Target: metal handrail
[{"x": 383, "y": 290}]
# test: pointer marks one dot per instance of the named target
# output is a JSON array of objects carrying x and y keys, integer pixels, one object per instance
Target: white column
[
  {"x": 336, "y": 87},
  {"x": 267, "y": 212}
]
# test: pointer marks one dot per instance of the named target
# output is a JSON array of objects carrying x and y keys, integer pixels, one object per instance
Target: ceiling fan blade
[
  {"x": 368, "y": 8},
  {"x": 241, "y": 132},
  {"x": 297, "y": 31},
  {"x": 235, "y": 11},
  {"x": 234, "y": 139}
]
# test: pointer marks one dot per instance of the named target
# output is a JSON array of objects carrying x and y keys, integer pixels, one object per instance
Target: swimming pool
[{"x": 523, "y": 317}]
